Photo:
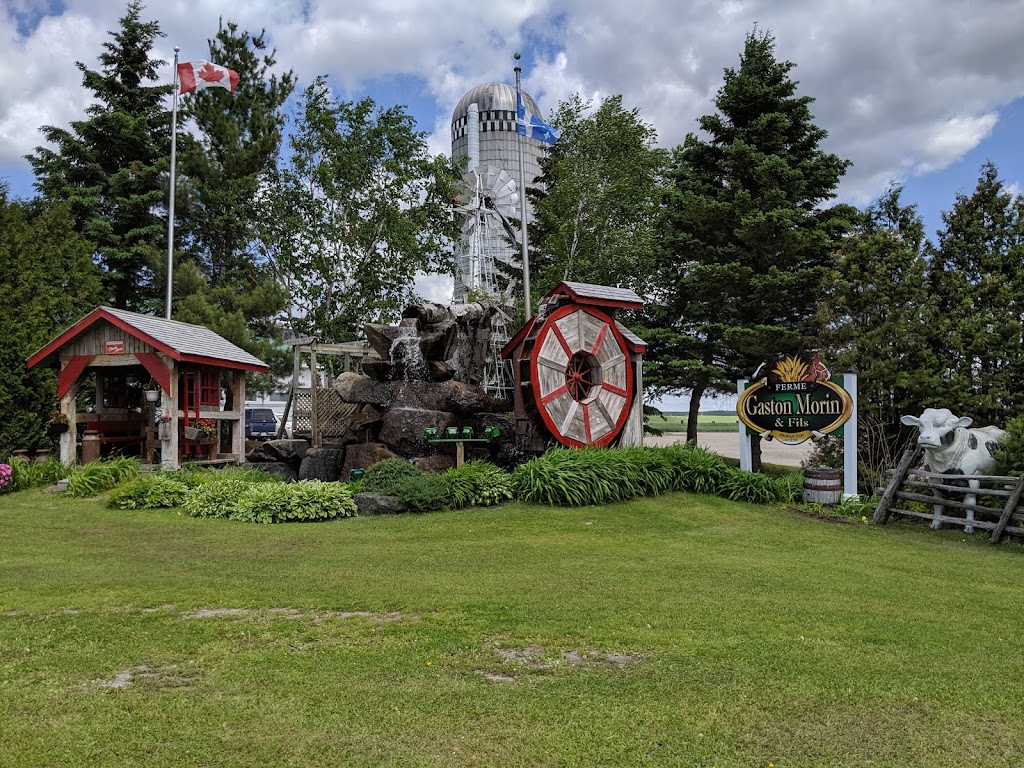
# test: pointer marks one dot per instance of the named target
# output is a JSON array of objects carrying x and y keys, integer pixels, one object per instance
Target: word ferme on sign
[{"x": 794, "y": 400}]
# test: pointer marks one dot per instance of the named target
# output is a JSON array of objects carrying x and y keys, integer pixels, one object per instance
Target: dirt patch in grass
[
  {"x": 537, "y": 658},
  {"x": 292, "y": 613},
  {"x": 162, "y": 677},
  {"x": 823, "y": 517}
]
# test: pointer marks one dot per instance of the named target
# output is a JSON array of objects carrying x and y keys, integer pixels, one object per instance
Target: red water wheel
[{"x": 583, "y": 380}]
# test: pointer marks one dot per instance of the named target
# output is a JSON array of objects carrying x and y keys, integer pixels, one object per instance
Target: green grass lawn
[
  {"x": 682, "y": 630},
  {"x": 705, "y": 422}
]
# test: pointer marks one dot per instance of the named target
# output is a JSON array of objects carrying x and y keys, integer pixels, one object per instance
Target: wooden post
[
  {"x": 460, "y": 454},
  {"x": 910, "y": 457},
  {"x": 314, "y": 384},
  {"x": 1004, "y": 519}
]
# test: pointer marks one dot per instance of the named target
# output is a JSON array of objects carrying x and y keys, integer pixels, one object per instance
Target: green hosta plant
[
  {"x": 289, "y": 502},
  {"x": 214, "y": 498},
  {"x": 153, "y": 492}
]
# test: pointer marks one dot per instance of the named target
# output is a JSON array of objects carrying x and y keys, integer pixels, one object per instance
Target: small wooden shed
[
  {"x": 153, "y": 381},
  {"x": 579, "y": 371}
]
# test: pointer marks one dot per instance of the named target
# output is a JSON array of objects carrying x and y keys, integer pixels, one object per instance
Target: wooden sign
[
  {"x": 113, "y": 347},
  {"x": 794, "y": 401}
]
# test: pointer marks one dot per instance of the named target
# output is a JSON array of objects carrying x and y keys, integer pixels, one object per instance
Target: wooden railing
[{"x": 908, "y": 484}]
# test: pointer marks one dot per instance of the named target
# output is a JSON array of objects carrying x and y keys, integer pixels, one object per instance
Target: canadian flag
[{"x": 199, "y": 74}]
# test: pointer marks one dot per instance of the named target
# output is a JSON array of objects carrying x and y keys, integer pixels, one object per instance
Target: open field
[
  {"x": 680, "y": 630},
  {"x": 706, "y": 422}
]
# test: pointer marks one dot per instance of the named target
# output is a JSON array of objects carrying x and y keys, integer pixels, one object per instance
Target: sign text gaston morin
[{"x": 794, "y": 401}]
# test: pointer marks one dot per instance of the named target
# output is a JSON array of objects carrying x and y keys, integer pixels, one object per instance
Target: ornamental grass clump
[
  {"x": 478, "y": 484},
  {"x": 696, "y": 469},
  {"x": 579, "y": 477},
  {"x": 25, "y": 474},
  {"x": 96, "y": 477}
]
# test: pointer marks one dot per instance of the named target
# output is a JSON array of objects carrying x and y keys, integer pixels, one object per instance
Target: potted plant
[
  {"x": 152, "y": 391},
  {"x": 57, "y": 425}
]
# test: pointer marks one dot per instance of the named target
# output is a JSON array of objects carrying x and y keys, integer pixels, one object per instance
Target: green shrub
[
  {"x": 1010, "y": 458},
  {"x": 159, "y": 490},
  {"x": 422, "y": 492},
  {"x": 98, "y": 476},
  {"x": 384, "y": 476},
  {"x": 214, "y": 498},
  {"x": 289, "y": 502},
  {"x": 477, "y": 484}
]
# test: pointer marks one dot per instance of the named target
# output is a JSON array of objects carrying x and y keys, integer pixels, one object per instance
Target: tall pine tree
[
  {"x": 747, "y": 238},
  {"x": 977, "y": 273},
  {"x": 111, "y": 167}
]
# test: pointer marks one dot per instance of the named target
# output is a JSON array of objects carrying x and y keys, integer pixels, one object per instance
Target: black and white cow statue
[{"x": 951, "y": 448}]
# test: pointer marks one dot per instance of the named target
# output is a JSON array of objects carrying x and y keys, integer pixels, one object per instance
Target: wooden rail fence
[{"x": 908, "y": 484}]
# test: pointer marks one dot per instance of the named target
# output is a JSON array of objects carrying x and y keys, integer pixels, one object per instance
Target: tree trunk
[
  {"x": 691, "y": 419},
  {"x": 755, "y": 453}
]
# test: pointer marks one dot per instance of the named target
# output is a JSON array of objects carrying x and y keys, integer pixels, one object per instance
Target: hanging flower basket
[
  {"x": 152, "y": 395},
  {"x": 164, "y": 430}
]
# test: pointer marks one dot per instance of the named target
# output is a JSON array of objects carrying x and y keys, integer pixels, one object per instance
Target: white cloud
[
  {"x": 902, "y": 89},
  {"x": 953, "y": 139}
]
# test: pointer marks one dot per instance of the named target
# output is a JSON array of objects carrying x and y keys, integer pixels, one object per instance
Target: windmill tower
[{"x": 484, "y": 132}]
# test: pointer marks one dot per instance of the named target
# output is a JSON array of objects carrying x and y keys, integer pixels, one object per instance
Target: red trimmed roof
[
  {"x": 179, "y": 341},
  {"x": 599, "y": 295}
]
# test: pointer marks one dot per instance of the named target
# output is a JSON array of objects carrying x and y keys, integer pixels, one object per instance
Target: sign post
[{"x": 794, "y": 401}]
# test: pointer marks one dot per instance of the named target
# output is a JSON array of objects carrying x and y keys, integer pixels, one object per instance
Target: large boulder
[
  {"x": 434, "y": 464},
  {"x": 287, "y": 451},
  {"x": 322, "y": 464},
  {"x": 402, "y": 430},
  {"x": 364, "y": 455},
  {"x": 375, "y": 504},
  {"x": 279, "y": 468},
  {"x": 356, "y": 388}
]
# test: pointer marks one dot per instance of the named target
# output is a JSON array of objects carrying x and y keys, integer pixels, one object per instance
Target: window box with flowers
[
  {"x": 202, "y": 431},
  {"x": 164, "y": 426}
]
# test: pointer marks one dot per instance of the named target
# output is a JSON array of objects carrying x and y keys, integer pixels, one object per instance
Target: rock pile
[{"x": 423, "y": 372}]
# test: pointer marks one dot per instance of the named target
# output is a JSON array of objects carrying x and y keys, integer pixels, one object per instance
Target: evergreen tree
[
  {"x": 747, "y": 240},
  {"x": 595, "y": 211},
  {"x": 111, "y": 167},
  {"x": 977, "y": 274},
  {"x": 49, "y": 282},
  {"x": 878, "y": 312}
]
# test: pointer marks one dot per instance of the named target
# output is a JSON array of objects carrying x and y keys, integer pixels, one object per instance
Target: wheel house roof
[{"x": 606, "y": 297}]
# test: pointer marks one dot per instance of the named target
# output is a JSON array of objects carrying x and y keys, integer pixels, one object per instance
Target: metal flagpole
[
  {"x": 170, "y": 204},
  {"x": 522, "y": 196}
]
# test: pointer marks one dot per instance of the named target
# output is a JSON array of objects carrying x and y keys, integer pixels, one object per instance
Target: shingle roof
[
  {"x": 181, "y": 341},
  {"x": 604, "y": 294},
  {"x": 186, "y": 338},
  {"x": 631, "y": 337}
]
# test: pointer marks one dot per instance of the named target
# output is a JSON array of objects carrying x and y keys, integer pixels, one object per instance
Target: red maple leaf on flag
[{"x": 210, "y": 73}]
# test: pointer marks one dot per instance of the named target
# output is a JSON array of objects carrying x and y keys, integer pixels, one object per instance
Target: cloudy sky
[{"x": 915, "y": 91}]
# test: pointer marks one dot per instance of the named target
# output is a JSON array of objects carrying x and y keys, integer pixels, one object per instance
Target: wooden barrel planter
[{"x": 823, "y": 485}]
